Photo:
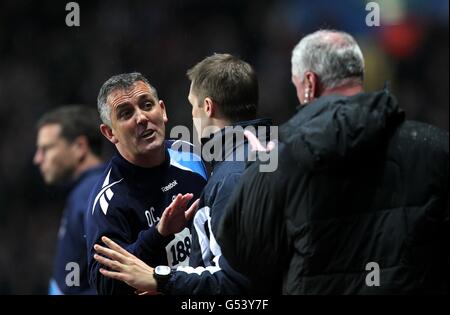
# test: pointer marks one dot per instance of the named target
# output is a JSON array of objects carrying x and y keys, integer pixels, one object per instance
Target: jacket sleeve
[
  {"x": 212, "y": 280},
  {"x": 209, "y": 272},
  {"x": 252, "y": 233},
  {"x": 115, "y": 224}
]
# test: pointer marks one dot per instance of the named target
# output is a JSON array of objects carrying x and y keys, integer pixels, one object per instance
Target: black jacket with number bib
[{"x": 357, "y": 205}]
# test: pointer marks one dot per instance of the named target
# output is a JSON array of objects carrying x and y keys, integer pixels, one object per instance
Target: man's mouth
[{"x": 147, "y": 134}]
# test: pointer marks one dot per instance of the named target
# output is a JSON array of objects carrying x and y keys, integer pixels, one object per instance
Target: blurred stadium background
[{"x": 44, "y": 63}]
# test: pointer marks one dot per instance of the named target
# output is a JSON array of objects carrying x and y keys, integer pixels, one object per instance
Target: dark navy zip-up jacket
[
  {"x": 128, "y": 202},
  {"x": 208, "y": 271},
  {"x": 70, "y": 257}
]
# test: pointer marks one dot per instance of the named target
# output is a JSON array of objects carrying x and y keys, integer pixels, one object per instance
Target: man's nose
[
  {"x": 37, "y": 159},
  {"x": 141, "y": 117}
]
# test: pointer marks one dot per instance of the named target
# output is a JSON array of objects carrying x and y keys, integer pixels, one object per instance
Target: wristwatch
[{"x": 162, "y": 275}]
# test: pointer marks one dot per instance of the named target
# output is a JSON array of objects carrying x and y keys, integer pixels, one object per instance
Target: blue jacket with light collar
[
  {"x": 128, "y": 202},
  {"x": 209, "y": 272}
]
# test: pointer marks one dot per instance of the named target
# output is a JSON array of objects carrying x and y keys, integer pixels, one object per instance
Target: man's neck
[
  {"x": 221, "y": 123},
  {"x": 148, "y": 160},
  {"x": 88, "y": 162},
  {"x": 345, "y": 90},
  {"x": 214, "y": 127}
]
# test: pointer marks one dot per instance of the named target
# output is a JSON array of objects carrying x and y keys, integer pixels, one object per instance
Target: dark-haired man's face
[
  {"x": 54, "y": 155},
  {"x": 199, "y": 117},
  {"x": 138, "y": 122}
]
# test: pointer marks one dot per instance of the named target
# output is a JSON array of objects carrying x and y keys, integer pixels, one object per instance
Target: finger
[
  {"x": 187, "y": 197},
  {"x": 175, "y": 202},
  {"x": 162, "y": 224},
  {"x": 169, "y": 209},
  {"x": 108, "y": 262},
  {"x": 109, "y": 253},
  {"x": 114, "y": 246},
  {"x": 185, "y": 200},
  {"x": 180, "y": 205},
  {"x": 113, "y": 274},
  {"x": 255, "y": 144},
  {"x": 164, "y": 216},
  {"x": 167, "y": 213},
  {"x": 271, "y": 145},
  {"x": 189, "y": 214}
]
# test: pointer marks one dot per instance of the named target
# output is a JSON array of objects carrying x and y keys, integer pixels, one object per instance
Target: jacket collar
[{"x": 221, "y": 144}]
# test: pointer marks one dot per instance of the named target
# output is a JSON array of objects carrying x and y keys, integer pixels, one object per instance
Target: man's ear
[
  {"x": 80, "y": 147},
  {"x": 163, "y": 108},
  {"x": 210, "y": 107},
  {"x": 312, "y": 83},
  {"x": 108, "y": 133}
]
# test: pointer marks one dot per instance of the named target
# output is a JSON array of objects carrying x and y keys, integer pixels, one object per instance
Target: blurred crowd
[{"x": 44, "y": 64}]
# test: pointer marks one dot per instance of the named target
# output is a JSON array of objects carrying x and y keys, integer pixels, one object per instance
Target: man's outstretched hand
[
  {"x": 256, "y": 145},
  {"x": 125, "y": 267},
  {"x": 175, "y": 217}
]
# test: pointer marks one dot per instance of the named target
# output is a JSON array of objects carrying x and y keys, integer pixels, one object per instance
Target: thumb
[
  {"x": 189, "y": 214},
  {"x": 271, "y": 145},
  {"x": 255, "y": 144}
]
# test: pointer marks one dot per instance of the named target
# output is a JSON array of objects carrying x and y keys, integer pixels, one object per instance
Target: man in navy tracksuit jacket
[
  {"x": 140, "y": 181},
  {"x": 71, "y": 246},
  {"x": 68, "y": 152},
  {"x": 224, "y": 98}
]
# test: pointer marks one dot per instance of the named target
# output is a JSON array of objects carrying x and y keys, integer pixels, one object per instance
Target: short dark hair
[
  {"x": 228, "y": 81},
  {"x": 120, "y": 81},
  {"x": 75, "y": 121}
]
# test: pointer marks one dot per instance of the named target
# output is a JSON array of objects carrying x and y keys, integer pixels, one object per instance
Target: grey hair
[
  {"x": 333, "y": 56},
  {"x": 122, "y": 81}
]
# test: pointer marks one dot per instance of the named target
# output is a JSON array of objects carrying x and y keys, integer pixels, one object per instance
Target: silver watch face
[{"x": 162, "y": 270}]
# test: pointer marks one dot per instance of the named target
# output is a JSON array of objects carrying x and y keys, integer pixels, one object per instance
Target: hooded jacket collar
[{"x": 337, "y": 128}]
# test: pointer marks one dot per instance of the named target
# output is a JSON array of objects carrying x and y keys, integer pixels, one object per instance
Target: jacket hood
[{"x": 336, "y": 129}]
